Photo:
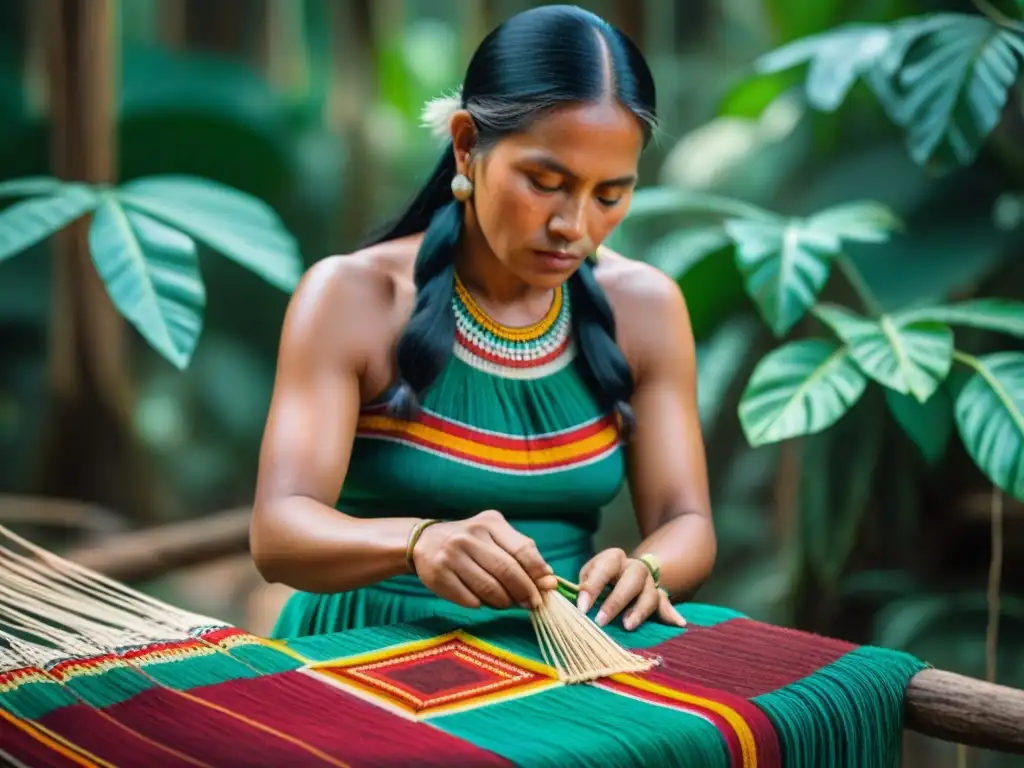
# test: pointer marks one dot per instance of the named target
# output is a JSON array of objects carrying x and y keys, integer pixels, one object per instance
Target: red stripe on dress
[
  {"x": 746, "y": 658},
  {"x": 534, "y": 466},
  {"x": 505, "y": 362},
  {"x": 510, "y": 442},
  {"x": 514, "y": 442}
]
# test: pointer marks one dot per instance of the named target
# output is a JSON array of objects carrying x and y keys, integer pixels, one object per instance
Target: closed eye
[{"x": 541, "y": 187}]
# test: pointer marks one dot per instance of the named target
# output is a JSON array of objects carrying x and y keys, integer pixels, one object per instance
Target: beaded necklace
[{"x": 497, "y": 348}]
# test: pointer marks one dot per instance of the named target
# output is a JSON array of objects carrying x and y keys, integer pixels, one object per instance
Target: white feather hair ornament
[{"x": 437, "y": 113}]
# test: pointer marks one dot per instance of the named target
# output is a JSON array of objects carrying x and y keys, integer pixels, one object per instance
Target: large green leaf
[
  {"x": 786, "y": 263},
  {"x": 954, "y": 82},
  {"x": 944, "y": 77},
  {"x": 801, "y": 388},
  {"x": 1000, "y": 315},
  {"x": 990, "y": 418},
  {"x": 238, "y": 225},
  {"x": 29, "y": 221},
  {"x": 783, "y": 271},
  {"x": 152, "y": 275},
  {"x": 30, "y": 185},
  {"x": 928, "y": 424},
  {"x": 910, "y": 358},
  {"x": 862, "y": 221},
  {"x": 836, "y": 58}
]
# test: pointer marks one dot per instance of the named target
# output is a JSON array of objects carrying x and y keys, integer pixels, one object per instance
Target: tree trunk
[
  {"x": 90, "y": 452},
  {"x": 355, "y": 27}
]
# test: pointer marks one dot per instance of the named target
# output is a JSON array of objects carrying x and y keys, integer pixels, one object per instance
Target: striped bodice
[{"x": 509, "y": 425}]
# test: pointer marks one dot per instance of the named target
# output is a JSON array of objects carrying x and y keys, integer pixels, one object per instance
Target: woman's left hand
[{"x": 634, "y": 588}]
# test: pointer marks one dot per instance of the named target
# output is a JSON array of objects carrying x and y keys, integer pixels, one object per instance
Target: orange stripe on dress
[{"x": 502, "y": 451}]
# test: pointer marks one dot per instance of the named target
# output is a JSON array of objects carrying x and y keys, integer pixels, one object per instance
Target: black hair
[{"x": 535, "y": 61}]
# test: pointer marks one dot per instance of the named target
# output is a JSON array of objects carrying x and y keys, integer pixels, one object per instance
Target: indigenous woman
[{"x": 456, "y": 401}]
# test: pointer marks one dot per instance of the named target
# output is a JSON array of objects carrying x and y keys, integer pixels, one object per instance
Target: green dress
[{"x": 510, "y": 425}]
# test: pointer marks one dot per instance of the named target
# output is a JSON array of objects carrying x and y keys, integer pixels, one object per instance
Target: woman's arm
[
  {"x": 667, "y": 471},
  {"x": 297, "y": 536},
  {"x": 341, "y": 317}
]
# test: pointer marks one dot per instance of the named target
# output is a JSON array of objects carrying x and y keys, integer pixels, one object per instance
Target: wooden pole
[
  {"x": 89, "y": 451},
  {"x": 142, "y": 555},
  {"x": 967, "y": 711}
]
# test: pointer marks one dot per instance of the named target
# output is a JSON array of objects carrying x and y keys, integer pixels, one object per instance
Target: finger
[
  {"x": 505, "y": 570},
  {"x": 596, "y": 575},
  {"x": 453, "y": 589},
  {"x": 483, "y": 583},
  {"x": 524, "y": 550},
  {"x": 631, "y": 583},
  {"x": 646, "y": 604},
  {"x": 668, "y": 613}
]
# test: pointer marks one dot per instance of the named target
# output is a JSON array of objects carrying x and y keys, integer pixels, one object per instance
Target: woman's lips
[{"x": 556, "y": 260}]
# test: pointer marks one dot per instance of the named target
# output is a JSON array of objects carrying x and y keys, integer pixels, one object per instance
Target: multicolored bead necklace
[{"x": 528, "y": 352}]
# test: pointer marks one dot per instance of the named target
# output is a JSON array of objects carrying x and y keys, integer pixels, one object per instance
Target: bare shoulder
[
  {"x": 353, "y": 301},
  {"x": 651, "y": 318},
  {"x": 639, "y": 290}
]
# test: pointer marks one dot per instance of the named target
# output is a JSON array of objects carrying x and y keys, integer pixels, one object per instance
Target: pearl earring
[{"x": 462, "y": 188}]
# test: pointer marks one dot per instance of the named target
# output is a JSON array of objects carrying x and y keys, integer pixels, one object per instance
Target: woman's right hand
[{"x": 482, "y": 560}]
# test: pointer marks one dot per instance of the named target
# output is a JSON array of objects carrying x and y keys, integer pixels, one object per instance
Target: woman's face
[{"x": 546, "y": 199}]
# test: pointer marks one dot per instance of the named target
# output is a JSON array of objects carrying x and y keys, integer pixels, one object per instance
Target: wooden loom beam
[{"x": 940, "y": 704}]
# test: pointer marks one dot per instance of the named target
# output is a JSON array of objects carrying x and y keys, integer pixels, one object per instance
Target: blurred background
[{"x": 878, "y": 529}]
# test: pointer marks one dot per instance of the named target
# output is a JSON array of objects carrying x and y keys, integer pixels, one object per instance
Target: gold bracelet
[
  {"x": 414, "y": 536},
  {"x": 653, "y": 565}
]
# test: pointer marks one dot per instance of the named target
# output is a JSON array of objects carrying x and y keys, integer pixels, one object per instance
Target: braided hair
[{"x": 574, "y": 57}]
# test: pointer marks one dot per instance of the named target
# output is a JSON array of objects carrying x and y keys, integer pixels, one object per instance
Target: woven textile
[{"x": 728, "y": 691}]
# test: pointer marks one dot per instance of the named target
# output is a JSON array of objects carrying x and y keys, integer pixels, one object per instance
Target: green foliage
[
  {"x": 943, "y": 78},
  {"x": 800, "y": 388},
  {"x": 806, "y": 386},
  {"x": 143, "y": 241},
  {"x": 929, "y": 424},
  {"x": 152, "y": 275},
  {"x": 909, "y": 357},
  {"x": 990, "y": 417},
  {"x": 29, "y": 221},
  {"x": 786, "y": 262}
]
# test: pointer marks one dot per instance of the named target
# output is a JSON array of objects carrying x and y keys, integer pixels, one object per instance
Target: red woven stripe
[
  {"x": 769, "y": 752},
  {"x": 732, "y": 740},
  {"x": 140, "y": 654},
  {"x": 356, "y": 731},
  {"x": 17, "y": 676},
  {"x": 197, "y": 731},
  {"x": 97, "y": 735},
  {"x": 64, "y": 667},
  {"x": 223, "y": 633},
  {"x": 746, "y": 658},
  {"x": 27, "y": 749}
]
